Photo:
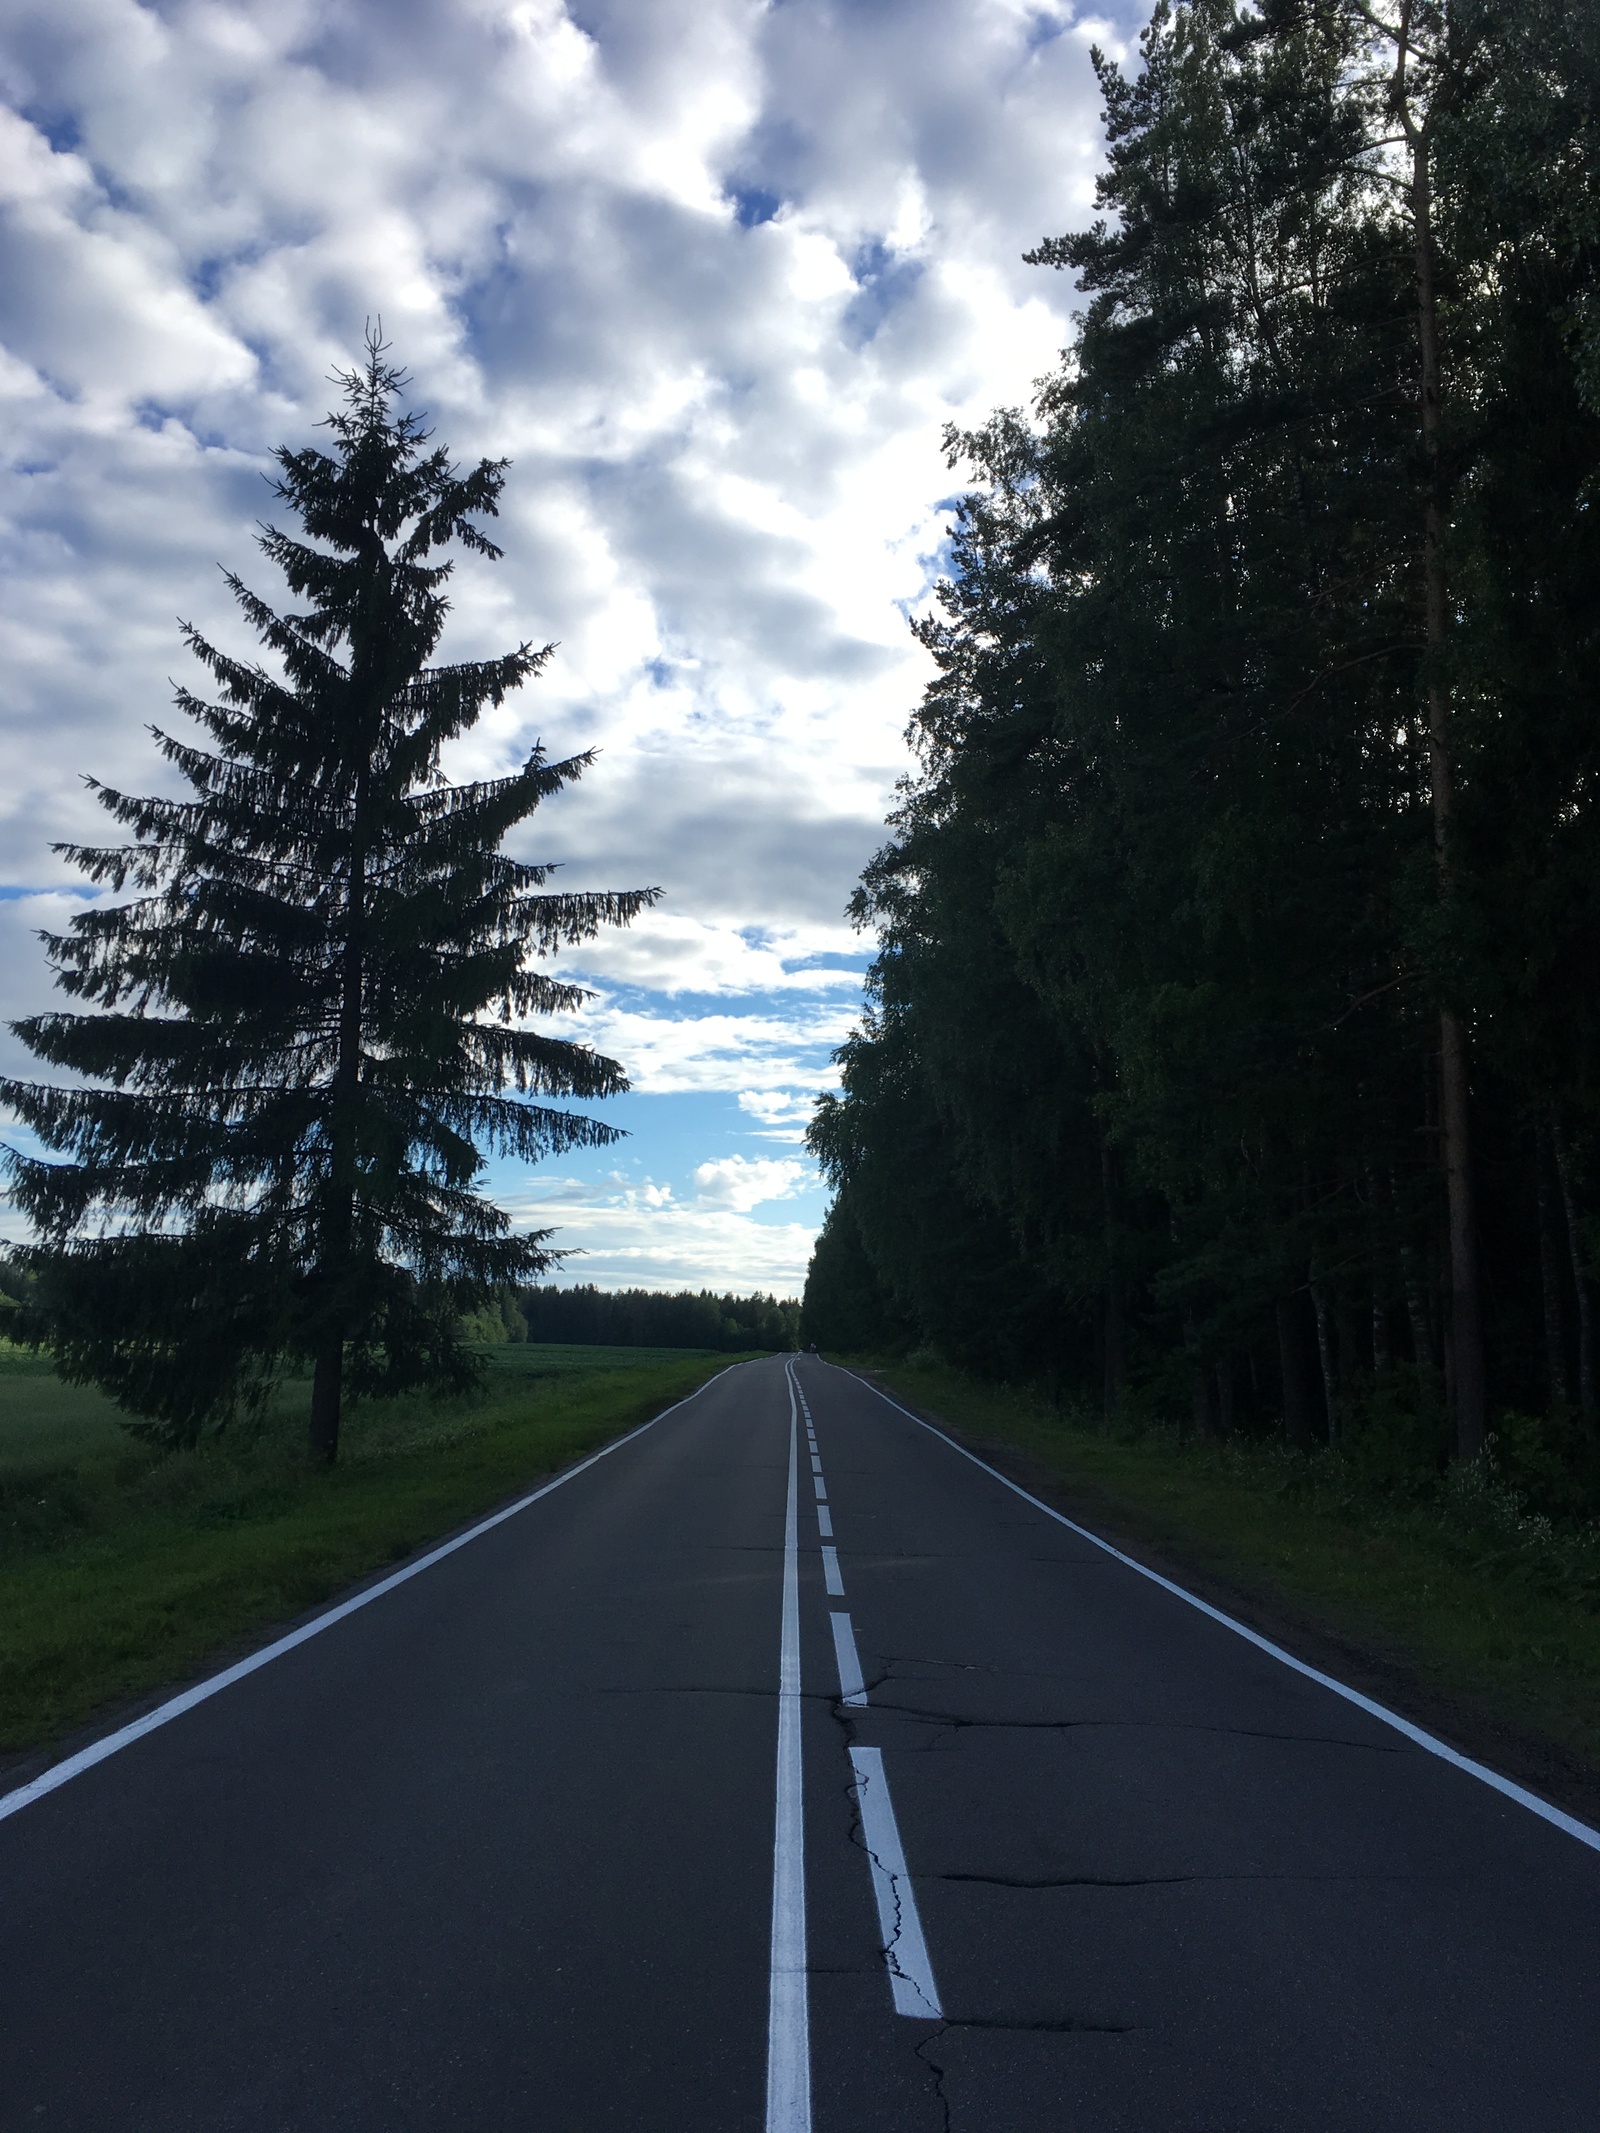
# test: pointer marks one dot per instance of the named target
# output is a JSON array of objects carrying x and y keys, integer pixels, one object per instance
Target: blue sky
[{"x": 714, "y": 275}]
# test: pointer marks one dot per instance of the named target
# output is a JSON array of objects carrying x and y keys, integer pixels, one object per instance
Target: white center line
[
  {"x": 824, "y": 1521},
  {"x": 904, "y": 1949},
  {"x": 852, "y": 1689},
  {"x": 788, "y": 2011},
  {"x": 830, "y": 1572}
]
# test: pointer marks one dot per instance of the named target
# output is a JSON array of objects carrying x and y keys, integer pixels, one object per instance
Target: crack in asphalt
[
  {"x": 1151, "y": 1881},
  {"x": 958, "y": 1722},
  {"x": 923, "y": 2051},
  {"x": 846, "y": 1721},
  {"x": 1059, "y": 2026}
]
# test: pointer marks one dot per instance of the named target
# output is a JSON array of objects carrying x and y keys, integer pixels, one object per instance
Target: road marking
[
  {"x": 904, "y": 1949},
  {"x": 62, "y": 1773},
  {"x": 816, "y": 1464},
  {"x": 1492, "y": 1778},
  {"x": 824, "y": 1521},
  {"x": 852, "y": 1689},
  {"x": 788, "y": 2011},
  {"x": 830, "y": 1572},
  {"x": 821, "y": 1491}
]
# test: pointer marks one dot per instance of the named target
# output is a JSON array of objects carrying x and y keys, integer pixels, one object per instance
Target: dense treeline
[
  {"x": 642, "y": 1318},
  {"x": 1232, "y": 1049}
]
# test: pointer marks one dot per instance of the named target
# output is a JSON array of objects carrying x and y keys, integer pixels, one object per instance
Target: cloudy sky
[{"x": 714, "y": 274}]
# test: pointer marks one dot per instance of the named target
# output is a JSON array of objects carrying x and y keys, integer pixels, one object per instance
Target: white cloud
[
  {"x": 784, "y": 1114},
  {"x": 671, "y": 952},
  {"x": 720, "y": 1051},
  {"x": 743, "y": 1181},
  {"x": 627, "y": 1239},
  {"x": 714, "y": 274}
]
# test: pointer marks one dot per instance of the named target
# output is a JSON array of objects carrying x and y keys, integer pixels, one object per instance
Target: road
[{"x": 591, "y": 1824}]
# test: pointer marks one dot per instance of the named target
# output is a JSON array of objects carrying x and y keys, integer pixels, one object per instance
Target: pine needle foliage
[{"x": 304, "y": 1030}]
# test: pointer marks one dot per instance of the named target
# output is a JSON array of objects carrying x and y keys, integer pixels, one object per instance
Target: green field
[
  {"x": 1491, "y": 1615},
  {"x": 123, "y": 1569}
]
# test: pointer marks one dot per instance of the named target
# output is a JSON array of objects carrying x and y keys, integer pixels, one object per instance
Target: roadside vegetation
[
  {"x": 125, "y": 1566},
  {"x": 1231, "y": 1045},
  {"x": 1454, "y": 1578}
]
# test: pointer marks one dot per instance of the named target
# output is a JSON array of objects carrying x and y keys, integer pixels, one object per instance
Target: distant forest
[
  {"x": 638, "y": 1318},
  {"x": 1232, "y": 1053}
]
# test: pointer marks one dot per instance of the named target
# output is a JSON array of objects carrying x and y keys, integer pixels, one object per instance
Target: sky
[{"x": 714, "y": 275}]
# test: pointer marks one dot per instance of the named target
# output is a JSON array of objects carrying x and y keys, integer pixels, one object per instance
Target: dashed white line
[
  {"x": 852, "y": 1689},
  {"x": 821, "y": 1490},
  {"x": 788, "y": 2008},
  {"x": 824, "y": 1521},
  {"x": 904, "y": 1949},
  {"x": 830, "y": 1572},
  {"x": 816, "y": 1464}
]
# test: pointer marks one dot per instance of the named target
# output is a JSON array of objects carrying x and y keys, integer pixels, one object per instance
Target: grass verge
[
  {"x": 122, "y": 1571},
  {"x": 1454, "y": 1604}
]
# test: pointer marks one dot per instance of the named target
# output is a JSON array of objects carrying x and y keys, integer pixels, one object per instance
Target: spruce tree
[{"x": 305, "y": 1030}]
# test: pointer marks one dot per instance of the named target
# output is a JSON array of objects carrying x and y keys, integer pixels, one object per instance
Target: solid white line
[
  {"x": 75, "y": 1765},
  {"x": 824, "y": 1521},
  {"x": 904, "y": 1949},
  {"x": 822, "y": 1493},
  {"x": 788, "y": 2014},
  {"x": 1492, "y": 1778},
  {"x": 830, "y": 1572},
  {"x": 852, "y": 1689}
]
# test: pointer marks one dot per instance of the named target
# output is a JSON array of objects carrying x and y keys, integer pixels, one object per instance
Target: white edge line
[
  {"x": 62, "y": 1773},
  {"x": 905, "y": 1952},
  {"x": 1492, "y": 1778}
]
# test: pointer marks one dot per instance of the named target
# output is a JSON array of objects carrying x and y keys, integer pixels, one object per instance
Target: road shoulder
[{"x": 1533, "y": 1737}]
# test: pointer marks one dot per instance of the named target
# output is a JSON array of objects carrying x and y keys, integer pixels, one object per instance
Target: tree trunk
[
  {"x": 327, "y": 1387},
  {"x": 1555, "y": 1332},
  {"x": 1468, "y": 1391},
  {"x": 1569, "y": 1202},
  {"x": 1417, "y": 1316},
  {"x": 1330, "y": 1388},
  {"x": 1116, "y": 1358},
  {"x": 1299, "y": 1406}
]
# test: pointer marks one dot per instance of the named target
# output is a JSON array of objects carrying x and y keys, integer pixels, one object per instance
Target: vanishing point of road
[{"x": 783, "y": 1767}]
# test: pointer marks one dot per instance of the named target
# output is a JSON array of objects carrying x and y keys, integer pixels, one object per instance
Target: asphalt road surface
[{"x": 730, "y": 1787}]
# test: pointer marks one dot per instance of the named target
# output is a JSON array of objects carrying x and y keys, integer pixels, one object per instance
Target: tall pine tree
[{"x": 304, "y": 1030}]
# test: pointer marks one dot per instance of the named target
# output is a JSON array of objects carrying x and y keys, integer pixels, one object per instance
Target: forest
[
  {"x": 648, "y": 1318},
  {"x": 1231, "y": 1055}
]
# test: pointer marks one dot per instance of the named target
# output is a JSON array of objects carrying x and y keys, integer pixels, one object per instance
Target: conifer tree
[{"x": 303, "y": 1032}]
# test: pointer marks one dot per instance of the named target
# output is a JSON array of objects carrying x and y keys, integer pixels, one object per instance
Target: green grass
[
  {"x": 44, "y": 1423},
  {"x": 122, "y": 1570},
  {"x": 1456, "y": 1584}
]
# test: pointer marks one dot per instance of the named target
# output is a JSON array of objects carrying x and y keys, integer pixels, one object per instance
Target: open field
[
  {"x": 1474, "y": 1616},
  {"x": 122, "y": 1569}
]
